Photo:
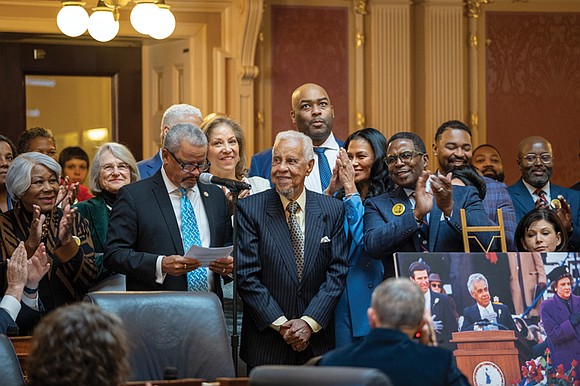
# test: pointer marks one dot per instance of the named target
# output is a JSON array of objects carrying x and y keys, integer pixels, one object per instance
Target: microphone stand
[{"x": 235, "y": 338}]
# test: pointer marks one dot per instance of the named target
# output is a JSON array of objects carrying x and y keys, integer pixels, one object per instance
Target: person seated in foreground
[
  {"x": 396, "y": 317},
  {"x": 79, "y": 344}
]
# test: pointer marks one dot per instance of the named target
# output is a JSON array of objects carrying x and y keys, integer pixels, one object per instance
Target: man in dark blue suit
[
  {"x": 312, "y": 114},
  {"x": 151, "y": 221},
  {"x": 536, "y": 162},
  {"x": 292, "y": 262},
  {"x": 174, "y": 115},
  {"x": 452, "y": 147},
  {"x": 396, "y": 316},
  {"x": 418, "y": 215},
  {"x": 495, "y": 316}
]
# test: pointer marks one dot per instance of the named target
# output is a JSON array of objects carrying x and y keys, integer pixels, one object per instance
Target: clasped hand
[{"x": 296, "y": 332}]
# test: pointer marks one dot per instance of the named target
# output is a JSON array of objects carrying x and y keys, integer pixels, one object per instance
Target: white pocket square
[{"x": 325, "y": 239}]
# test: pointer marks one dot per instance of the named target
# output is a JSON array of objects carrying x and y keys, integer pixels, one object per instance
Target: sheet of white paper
[{"x": 207, "y": 255}]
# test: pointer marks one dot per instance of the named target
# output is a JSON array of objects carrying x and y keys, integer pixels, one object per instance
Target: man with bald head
[
  {"x": 312, "y": 114},
  {"x": 534, "y": 189},
  {"x": 174, "y": 115}
]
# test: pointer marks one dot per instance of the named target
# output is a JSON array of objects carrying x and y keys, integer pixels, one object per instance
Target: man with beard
[
  {"x": 422, "y": 214},
  {"x": 453, "y": 148},
  {"x": 292, "y": 262},
  {"x": 312, "y": 114},
  {"x": 534, "y": 189},
  {"x": 487, "y": 160}
]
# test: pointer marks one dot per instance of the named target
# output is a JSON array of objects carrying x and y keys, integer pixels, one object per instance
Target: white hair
[{"x": 292, "y": 135}]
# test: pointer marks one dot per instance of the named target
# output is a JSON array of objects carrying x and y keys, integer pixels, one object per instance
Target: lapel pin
[
  {"x": 556, "y": 204},
  {"x": 398, "y": 209},
  {"x": 205, "y": 193}
]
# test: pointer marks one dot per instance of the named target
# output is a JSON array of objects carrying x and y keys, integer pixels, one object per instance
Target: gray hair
[
  {"x": 184, "y": 132},
  {"x": 119, "y": 151},
  {"x": 292, "y": 135},
  {"x": 179, "y": 114},
  {"x": 473, "y": 278},
  {"x": 19, "y": 176},
  {"x": 399, "y": 304}
]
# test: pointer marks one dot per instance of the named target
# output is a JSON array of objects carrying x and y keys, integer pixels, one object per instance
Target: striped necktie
[
  {"x": 543, "y": 199},
  {"x": 196, "y": 279}
]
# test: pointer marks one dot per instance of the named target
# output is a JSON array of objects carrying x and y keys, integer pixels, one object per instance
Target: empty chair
[
  {"x": 181, "y": 330},
  {"x": 10, "y": 371},
  {"x": 317, "y": 376}
]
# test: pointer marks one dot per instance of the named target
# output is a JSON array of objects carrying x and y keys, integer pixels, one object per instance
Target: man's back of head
[
  {"x": 397, "y": 304},
  {"x": 180, "y": 113}
]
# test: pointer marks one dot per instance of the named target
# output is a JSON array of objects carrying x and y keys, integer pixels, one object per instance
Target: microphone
[{"x": 208, "y": 178}]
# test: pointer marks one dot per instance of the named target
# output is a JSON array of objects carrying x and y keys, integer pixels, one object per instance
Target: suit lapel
[
  {"x": 313, "y": 233},
  {"x": 208, "y": 203},
  {"x": 522, "y": 197},
  {"x": 434, "y": 217},
  {"x": 278, "y": 227},
  {"x": 168, "y": 215}
]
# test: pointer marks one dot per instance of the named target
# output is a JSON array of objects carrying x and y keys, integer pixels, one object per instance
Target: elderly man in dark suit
[
  {"x": 175, "y": 114},
  {"x": 536, "y": 162},
  {"x": 396, "y": 316},
  {"x": 422, "y": 214},
  {"x": 452, "y": 147},
  {"x": 155, "y": 221},
  {"x": 292, "y": 262},
  {"x": 491, "y": 316}
]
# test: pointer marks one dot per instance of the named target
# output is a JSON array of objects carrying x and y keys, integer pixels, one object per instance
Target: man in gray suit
[{"x": 292, "y": 262}]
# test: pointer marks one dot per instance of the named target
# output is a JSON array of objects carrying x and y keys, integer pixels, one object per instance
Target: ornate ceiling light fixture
[{"x": 148, "y": 17}]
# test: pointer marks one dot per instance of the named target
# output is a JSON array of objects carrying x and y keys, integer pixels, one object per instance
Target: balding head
[
  {"x": 535, "y": 160},
  {"x": 312, "y": 113}
]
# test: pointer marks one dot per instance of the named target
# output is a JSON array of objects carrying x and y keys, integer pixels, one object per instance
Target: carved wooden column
[{"x": 389, "y": 69}]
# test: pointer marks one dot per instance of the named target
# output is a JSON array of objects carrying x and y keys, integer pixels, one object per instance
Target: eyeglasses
[
  {"x": 435, "y": 285},
  {"x": 405, "y": 157},
  {"x": 546, "y": 158},
  {"x": 110, "y": 168},
  {"x": 188, "y": 168}
]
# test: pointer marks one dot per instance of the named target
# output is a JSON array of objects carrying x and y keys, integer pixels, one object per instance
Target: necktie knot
[
  {"x": 183, "y": 192},
  {"x": 292, "y": 207},
  {"x": 319, "y": 150}
]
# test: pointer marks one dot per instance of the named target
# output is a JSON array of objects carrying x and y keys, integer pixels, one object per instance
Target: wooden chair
[{"x": 466, "y": 230}]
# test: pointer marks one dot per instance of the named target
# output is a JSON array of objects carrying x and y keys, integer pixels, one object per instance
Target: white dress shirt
[{"x": 313, "y": 180}]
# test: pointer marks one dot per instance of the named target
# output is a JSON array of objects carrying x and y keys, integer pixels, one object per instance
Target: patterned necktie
[
  {"x": 296, "y": 237},
  {"x": 196, "y": 279},
  {"x": 323, "y": 167},
  {"x": 540, "y": 193}
]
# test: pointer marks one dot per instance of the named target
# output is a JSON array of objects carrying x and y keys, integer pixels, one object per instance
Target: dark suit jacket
[
  {"x": 150, "y": 166},
  {"x": 405, "y": 362},
  {"x": 563, "y": 337},
  {"x": 442, "y": 310},
  {"x": 267, "y": 278},
  {"x": 143, "y": 226},
  {"x": 471, "y": 315},
  {"x": 386, "y": 233},
  {"x": 523, "y": 203}
]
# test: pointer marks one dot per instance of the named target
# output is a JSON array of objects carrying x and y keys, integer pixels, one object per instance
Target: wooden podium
[{"x": 487, "y": 355}]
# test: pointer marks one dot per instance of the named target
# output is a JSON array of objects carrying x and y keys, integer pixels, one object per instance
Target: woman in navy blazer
[{"x": 359, "y": 173}]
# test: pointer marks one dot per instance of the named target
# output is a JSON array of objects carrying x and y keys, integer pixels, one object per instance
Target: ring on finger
[
  {"x": 223, "y": 270},
  {"x": 440, "y": 189},
  {"x": 184, "y": 266}
]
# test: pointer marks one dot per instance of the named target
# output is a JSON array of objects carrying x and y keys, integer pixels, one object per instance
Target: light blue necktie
[
  {"x": 196, "y": 279},
  {"x": 323, "y": 167}
]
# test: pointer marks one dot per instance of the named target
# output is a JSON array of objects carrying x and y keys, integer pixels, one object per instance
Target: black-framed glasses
[
  {"x": 405, "y": 157},
  {"x": 546, "y": 158},
  {"x": 435, "y": 285},
  {"x": 188, "y": 168}
]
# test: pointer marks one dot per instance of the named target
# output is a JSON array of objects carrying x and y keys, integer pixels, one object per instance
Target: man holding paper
[{"x": 155, "y": 221}]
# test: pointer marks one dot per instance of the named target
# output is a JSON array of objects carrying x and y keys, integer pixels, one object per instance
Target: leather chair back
[
  {"x": 317, "y": 376},
  {"x": 10, "y": 371},
  {"x": 179, "y": 329}
]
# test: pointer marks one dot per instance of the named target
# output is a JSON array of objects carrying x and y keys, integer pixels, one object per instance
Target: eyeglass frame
[
  {"x": 436, "y": 285},
  {"x": 396, "y": 157},
  {"x": 184, "y": 167},
  {"x": 121, "y": 167},
  {"x": 536, "y": 156}
]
